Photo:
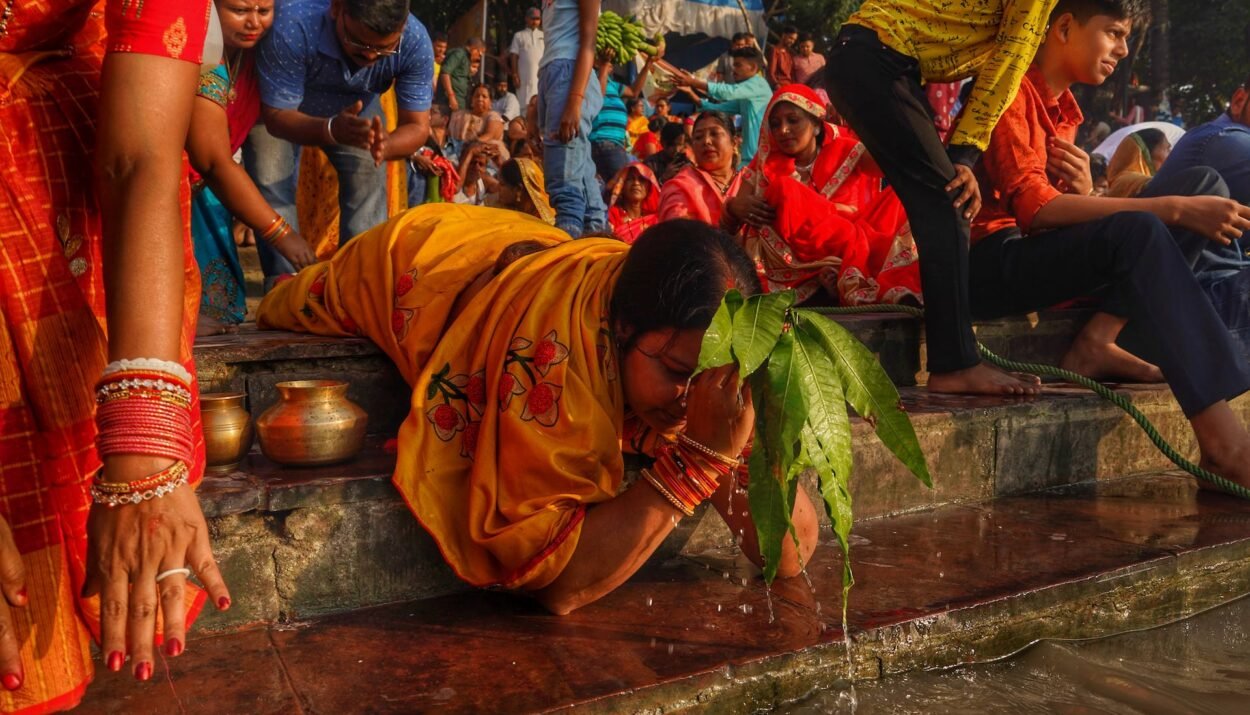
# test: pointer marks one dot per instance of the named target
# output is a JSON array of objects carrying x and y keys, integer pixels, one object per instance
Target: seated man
[
  {"x": 1223, "y": 269},
  {"x": 1041, "y": 239},
  {"x": 321, "y": 71}
]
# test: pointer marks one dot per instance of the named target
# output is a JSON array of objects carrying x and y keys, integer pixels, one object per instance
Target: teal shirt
[{"x": 748, "y": 99}]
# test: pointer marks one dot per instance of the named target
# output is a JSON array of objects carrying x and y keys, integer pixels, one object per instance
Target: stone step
[
  {"x": 296, "y": 543},
  {"x": 956, "y": 584},
  {"x": 252, "y": 360}
]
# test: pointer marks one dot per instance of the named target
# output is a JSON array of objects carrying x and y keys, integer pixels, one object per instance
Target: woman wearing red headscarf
[
  {"x": 813, "y": 214},
  {"x": 635, "y": 202}
]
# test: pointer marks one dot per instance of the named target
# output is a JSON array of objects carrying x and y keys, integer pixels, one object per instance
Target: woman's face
[
  {"x": 1160, "y": 153},
  {"x": 244, "y": 22},
  {"x": 655, "y": 373},
  {"x": 510, "y": 196},
  {"x": 713, "y": 146},
  {"x": 481, "y": 100},
  {"x": 516, "y": 129},
  {"x": 634, "y": 188},
  {"x": 661, "y": 107},
  {"x": 792, "y": 129}
]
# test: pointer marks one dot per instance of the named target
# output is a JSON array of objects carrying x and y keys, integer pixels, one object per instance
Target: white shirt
[
  {"x": 508, "y": 106},
  {"x": 528, "y": 46}
]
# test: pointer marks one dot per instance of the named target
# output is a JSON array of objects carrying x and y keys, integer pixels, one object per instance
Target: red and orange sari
[
  {"x": 52, "y": 336},
  {"x": 694, "y": 194},
  {"x": 629, "y": 229},
  {"x": 836, "y": 228}
]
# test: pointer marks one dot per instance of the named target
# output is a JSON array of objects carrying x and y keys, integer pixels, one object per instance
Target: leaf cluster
[{"x": 804, "y": 370}]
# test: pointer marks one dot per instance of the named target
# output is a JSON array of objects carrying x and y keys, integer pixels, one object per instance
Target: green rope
[{"x": 1049, "y": 371}]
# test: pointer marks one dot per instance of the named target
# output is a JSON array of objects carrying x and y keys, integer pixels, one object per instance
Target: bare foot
[
  {"x": 984, "y": 379},
  {"x": 1235, "y": 469},
  {"x": 1107, "y": 361},
  {"x": 206, "y": 326}
]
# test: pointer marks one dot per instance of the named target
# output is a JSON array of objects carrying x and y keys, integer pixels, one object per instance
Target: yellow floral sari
[{"x": 517, "y": 415}]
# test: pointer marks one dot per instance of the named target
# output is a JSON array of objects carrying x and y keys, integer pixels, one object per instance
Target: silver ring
[{"x": 171, "y": 572}]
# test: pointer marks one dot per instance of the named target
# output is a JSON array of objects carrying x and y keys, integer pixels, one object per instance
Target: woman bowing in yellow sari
[{"x": 536, "y": 362}]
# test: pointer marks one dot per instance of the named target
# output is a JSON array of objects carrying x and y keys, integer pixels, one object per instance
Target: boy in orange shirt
[{"x": 1042, "y": 238}]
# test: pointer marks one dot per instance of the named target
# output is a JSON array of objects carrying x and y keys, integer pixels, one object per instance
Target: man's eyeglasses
[{"x": 379, "y": 51}]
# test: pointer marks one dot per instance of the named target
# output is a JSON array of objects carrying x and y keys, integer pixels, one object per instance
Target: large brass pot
[
  {"x": 227, "y": 429},
  {"x": 312, "y": 424}
]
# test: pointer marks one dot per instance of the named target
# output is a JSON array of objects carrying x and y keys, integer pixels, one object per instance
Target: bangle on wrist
[{"x": 330, "y": 129}]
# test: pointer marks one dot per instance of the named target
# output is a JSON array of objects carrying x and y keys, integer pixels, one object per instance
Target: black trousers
[
  {"x": 1134, "y": 258},
  {"x": 877, "y": 91}
]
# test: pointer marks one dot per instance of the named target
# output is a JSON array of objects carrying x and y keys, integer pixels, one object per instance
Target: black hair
[
  {"x": 1152, "y": 138},
  {"x": 739, "y": 37},
  {"x": 789, "y": 30},
  {"x": 676, "y": 275},
  {"x": 475, "y": 42},
  {"x": 1083, "y": 10},
  {"x": 438, "y": 36},
  {"x": 510, "y": 174},
  {"x": 1097, "y": 167},
  {"x": 490, "y": 92},
  {"x": 671, "y": 133},
  {"x": 720, "y": 118},
  {"x": 442, "y": 107},
  {"x": 806, "y": 37},
  {"x": 631, "y": 103},
  {"x": 656, "y": 124},
  {"x": 381, "y": 16},
  {"x": 748, "y": 53}
]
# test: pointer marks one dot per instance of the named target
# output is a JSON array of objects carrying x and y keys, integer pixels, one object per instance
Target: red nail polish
[
  {"x": 116, "y": 660},
  {"x": 173, "y": 647},
  {"x": 21, "y": 595},
  {"x": 223, "y": 603},
  {"x": 144, "y": 671},
  {"x": 12, "y": 681}
]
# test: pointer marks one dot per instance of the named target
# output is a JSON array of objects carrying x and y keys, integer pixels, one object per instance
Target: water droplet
[
  {"x": 746, "y": 608},
  {"x": 648, "y": 601},
  {"x": 744, "y": 581},
  {"x": 725, "y": 575},
  {"x": 670, "y": 648},
  {"x": 718, "y": 607},
  {"x": 941, "y": 574},
  {"x": 652, "y": 642}
]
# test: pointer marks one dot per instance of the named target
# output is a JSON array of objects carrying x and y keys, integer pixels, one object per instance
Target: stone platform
[{"x": 953, "y": 584}]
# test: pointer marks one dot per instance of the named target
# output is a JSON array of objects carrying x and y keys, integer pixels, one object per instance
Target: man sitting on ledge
[{"x": 1041, "y": 239}]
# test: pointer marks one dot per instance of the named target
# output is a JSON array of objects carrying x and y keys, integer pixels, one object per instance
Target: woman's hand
[
  {"x": 719, "y": 412},
  {"x": 295, "y": 249},
  {"x": 752, "y": 210},
  {"x": 13, "y": 584},
  {"x": 128, "y": 547}
]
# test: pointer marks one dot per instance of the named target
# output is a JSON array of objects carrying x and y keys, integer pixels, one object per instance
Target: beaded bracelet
[
  {"x": 163, "y": 367},
  {"x": 664, "y": 492},
  {"x": 707, "y": 451},
  {"x": 162, "y": 483}
]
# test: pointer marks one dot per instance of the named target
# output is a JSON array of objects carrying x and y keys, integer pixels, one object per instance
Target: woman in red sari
[
  {"x": 635, "y": 202},
  {"x": 700, "y": 191},
  {"x": 813, "y": 214},
  {"x": 74, "y": 572}
]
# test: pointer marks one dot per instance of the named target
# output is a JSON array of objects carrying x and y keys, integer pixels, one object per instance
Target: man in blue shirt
[
  {"x": 1222, "y": 270},
  {"x": 747, "y": 96},
  {"x": 321, "y": 69}
]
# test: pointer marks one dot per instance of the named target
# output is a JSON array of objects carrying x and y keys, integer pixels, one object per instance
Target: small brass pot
[
  {"x": 312, "y": 424},
  {"x": 227, "y": 429}
]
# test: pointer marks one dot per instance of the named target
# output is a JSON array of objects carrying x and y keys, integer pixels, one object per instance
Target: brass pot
[
  {"x": 312, "y": 424},
  {"x": 227, "y": 429}
]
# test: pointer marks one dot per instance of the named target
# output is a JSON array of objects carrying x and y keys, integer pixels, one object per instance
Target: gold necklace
[{"x": 232, "y": 75}]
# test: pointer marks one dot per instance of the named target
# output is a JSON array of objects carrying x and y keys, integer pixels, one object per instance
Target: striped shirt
[{"x": 609, "y": 125}]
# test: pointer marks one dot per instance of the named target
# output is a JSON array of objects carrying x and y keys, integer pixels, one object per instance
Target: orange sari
[{"x": 52, "y": 336}]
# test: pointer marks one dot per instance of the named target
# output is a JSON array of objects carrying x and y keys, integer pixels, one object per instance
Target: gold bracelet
[
  {"x": 655, "y": 482},
  {"x": 708, "y": 451}
]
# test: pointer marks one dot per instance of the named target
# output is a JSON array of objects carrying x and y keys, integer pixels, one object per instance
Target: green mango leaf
[
  {"x": 756, "y": 328},
  {"x": 717, "y": 347},
  {"x": 869, "y": 390},
  {"x": 785, "y": 405},
  {"x": 766, "y": 497},
  {"x": 825, "y": 399}
]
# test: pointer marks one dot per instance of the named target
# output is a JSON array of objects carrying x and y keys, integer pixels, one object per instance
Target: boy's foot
[
  {"x": 985, "y": 379},
  {"x": 1108, "y": 361}
]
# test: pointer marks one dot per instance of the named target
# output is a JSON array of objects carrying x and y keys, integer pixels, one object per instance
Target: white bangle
[{"x": 330, "y": 129}]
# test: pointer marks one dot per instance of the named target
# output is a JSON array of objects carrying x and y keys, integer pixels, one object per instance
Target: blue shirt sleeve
[
  {"x": 725, "y": 92},
  {"x": 1229, "y": 154},
  {"x": 414, "y": 84},
  {"x": 280, "y": 63}
]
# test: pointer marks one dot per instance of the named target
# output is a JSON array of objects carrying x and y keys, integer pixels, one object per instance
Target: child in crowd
[
  {"x": 1042, "y": 238},
  {"x": 874, "y": 77},
  {"x": 569, "y": 97}
]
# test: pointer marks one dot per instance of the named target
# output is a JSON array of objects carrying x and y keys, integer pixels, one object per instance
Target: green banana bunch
[{"x": 625, "y": 37}]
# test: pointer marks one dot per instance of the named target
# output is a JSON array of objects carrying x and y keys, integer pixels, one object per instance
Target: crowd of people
[{"x": 540, "y": 251}]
